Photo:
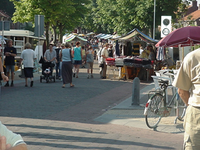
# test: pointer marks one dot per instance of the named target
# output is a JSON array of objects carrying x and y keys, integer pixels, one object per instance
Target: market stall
[
  {"x": 128, "y": 60},
  {"x": 181, "y": 38}
]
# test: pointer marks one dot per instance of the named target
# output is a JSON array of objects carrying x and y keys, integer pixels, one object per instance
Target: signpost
[
  {"x": 4, "y": 25},
  {"x": 39, "y": 32},
  {"x": 39, "y": 25}
]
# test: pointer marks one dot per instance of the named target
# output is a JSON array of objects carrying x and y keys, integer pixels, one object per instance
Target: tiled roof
[
  {"x": 3, "y": 14},
  {"x": 195, "y": 15}
]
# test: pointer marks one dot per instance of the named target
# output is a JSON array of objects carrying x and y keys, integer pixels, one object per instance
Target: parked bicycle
[{"x": 157, "y": 107}]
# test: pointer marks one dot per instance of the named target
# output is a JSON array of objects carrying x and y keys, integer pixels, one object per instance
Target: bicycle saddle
[{"x": 163, "y": 82}]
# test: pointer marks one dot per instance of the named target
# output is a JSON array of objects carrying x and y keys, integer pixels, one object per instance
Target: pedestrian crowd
[{"x": 66, "y": 58}]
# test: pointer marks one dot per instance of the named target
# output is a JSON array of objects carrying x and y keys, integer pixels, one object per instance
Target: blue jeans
[
  {"x": 58, "y": 69},
  {"x": 10, "y": 68}
]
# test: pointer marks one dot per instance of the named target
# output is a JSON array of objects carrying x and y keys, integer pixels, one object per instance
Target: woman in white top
[{"x": 28, "y": 56}]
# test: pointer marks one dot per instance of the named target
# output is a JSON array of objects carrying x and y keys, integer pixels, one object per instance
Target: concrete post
[{"x": 136, "y": 91}]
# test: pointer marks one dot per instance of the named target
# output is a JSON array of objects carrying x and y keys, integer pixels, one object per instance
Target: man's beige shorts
[
  {"x": 192, "y": 128},
  {"x": 90, "y": 65}
]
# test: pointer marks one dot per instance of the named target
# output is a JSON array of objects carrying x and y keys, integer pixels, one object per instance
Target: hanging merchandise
[{"x": 136, "y": 49}]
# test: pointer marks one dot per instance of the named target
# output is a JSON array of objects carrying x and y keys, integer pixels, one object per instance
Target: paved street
[{"x": 53, "y": 118}]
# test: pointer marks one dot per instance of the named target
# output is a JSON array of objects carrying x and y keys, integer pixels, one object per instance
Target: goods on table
[{"x": 110, "y": 61}]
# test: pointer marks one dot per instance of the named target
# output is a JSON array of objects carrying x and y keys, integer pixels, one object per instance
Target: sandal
[
  {"x": 63, "y": 86},
  {"x": 72, "y": 85},
  {"x": 31, "y": 84}
]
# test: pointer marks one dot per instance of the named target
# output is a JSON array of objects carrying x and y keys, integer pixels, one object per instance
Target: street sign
[
  {"x": 166, "y": 25},
  {"x": 4, "y": 25},
  {"x": 39, "y": 25}
]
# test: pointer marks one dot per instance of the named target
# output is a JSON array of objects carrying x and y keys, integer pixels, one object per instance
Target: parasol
[{"x": 186, "y": 36}]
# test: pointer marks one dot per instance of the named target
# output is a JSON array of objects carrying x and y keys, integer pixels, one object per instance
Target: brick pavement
[{"x": 52, "y": 118}]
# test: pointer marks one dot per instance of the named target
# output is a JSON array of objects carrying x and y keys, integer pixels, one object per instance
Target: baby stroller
[{"x": 47, "y": 72}]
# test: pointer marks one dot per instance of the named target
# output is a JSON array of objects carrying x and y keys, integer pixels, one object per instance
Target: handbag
[
  {"x": 41, "y": 60},
  {"x": 70, "y": 56},
  {"x": 101, "y": 65}
]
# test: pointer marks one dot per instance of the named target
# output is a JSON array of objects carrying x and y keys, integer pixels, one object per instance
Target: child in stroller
[{"x": 47, "y": 71}]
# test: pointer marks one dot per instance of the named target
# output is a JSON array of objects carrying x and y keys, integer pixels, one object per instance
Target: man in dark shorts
[{"x": 10, "y": 52}]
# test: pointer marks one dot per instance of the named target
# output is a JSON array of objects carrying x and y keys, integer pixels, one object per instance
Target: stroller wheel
[
  {"x": 40, "y": 79},
  {"x": 54, "y": 79}
]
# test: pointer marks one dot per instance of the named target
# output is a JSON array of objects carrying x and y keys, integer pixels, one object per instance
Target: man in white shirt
[
  {"x": 10, "y": 140},
  {"x": 188, "y": 83},
  {"x": 104, "y": 55}
]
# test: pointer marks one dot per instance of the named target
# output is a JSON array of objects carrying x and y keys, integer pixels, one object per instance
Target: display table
[
  {"x": 110, "y": 62},
  {"x": 130, "y": 72},
  {"x": 111, "y": 71},
  {"x": 130, "y": 67}
]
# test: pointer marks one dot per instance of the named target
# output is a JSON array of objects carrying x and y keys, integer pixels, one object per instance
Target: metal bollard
[{"x": 136, "y": 91}]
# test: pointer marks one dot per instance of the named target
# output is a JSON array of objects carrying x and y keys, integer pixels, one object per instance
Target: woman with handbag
[{"x": 66, "y": 56}]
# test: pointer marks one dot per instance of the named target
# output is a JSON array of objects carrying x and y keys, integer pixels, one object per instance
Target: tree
[
  {"x": 122, "y": 16},
  {"x": 62, "y": 14},
  {"x": 180, "y": 14}
]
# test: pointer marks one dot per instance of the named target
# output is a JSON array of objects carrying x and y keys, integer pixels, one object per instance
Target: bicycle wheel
[
  {"x": 152, "y": 116},
  {"x": 180, "y": 109}
]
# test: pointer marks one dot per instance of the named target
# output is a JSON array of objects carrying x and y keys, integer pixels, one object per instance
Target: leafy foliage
[
  {"x": 62, "y": 14},
  {"x": 106, "y": 16},
  {"x": 121, "y": 16}
]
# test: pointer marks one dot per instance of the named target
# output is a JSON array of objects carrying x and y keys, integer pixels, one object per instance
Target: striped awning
[
  {"x": 71, "y": 37},
  {"x": 99, "y": 35},
  {"x": 138, "y": 32},
  {"x": 91, "y": 33},
  {"x": 107, "y": 36},
  {"x": 116, "y": 36}
]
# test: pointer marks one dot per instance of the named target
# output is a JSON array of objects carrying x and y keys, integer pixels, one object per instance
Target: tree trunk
[
  {"x": 60, "y": 33},
  {"x": 47, "y": 33},
  {"x": 54, "y": 30}
]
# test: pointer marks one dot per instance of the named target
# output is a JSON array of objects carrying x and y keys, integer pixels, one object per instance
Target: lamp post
[{"x": 154, "y": 19}]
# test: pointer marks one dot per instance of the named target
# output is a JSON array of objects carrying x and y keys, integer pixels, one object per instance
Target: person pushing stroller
[
  {"x": 50, "y": 55},
  {"x": 49, "y": 61}
]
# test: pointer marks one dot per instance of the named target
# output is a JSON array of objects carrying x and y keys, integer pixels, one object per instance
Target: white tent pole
[{"x": 154, "y": 19}]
